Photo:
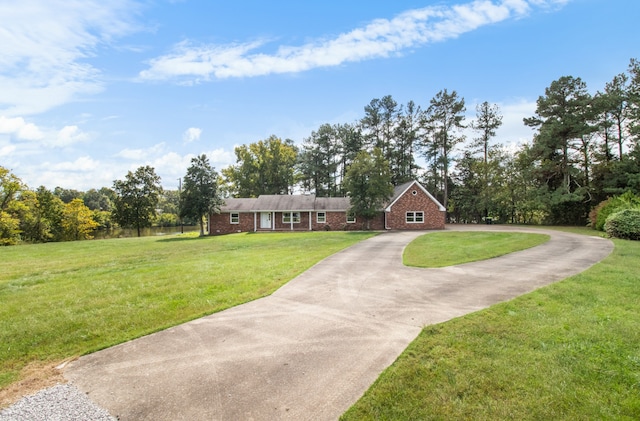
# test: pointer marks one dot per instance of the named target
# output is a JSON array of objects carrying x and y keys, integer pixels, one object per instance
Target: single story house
[{"x": 411, "y": 207}]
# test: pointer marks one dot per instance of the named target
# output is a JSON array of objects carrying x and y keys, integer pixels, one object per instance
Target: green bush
[
  {"x": 603, "y": 210},
  {"x": 624, "y": 224}
]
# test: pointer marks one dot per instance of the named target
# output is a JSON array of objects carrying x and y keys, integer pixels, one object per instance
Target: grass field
[
  {"x": 440, "y": 249},
  {"x": 569, "y": 351},
  {"x": 61, "y": 300}
]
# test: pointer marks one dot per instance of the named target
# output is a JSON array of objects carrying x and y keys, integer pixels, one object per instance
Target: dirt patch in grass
[{"x": 34, "y": 377}]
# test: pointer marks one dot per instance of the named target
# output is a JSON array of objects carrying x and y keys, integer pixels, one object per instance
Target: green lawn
[
  {"x": 569, "y": 351},
  {"x": 442, "y": 249},
  {"x": 60, "y": 300}
]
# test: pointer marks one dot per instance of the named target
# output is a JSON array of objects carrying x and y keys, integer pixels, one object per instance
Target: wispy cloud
[
  {"x": 138, "y": 154},
  {"x": 20, "y": 131},
  {"x": 190, "y": 63},
  {"x": 192, "y": 134},
  {"x": 44, "y": 45}
]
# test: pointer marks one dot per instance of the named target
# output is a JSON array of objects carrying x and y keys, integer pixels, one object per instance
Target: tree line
[
  {"x": 137, "y": 201},
  {"x": 585, "y": 150}
]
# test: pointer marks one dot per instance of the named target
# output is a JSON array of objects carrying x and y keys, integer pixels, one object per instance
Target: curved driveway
[{"x": 311, "y": 349}]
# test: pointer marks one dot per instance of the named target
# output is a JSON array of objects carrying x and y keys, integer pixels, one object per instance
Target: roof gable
[{"x": 400, "y": 191}]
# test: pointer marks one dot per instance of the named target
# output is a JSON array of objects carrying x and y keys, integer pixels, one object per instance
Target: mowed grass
[
  {"x": 61, "y": 300},
  {"x": 442, "y": 249},
  {"x": 568, "y": 351}
]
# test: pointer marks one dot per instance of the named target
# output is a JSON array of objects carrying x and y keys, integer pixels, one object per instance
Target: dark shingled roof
[
  {"x": 333, "y": 203},
  {"x": 271, "y": 203},
  {"x": 398, "y": 190},
  {"x": 309, "y": 202},
  {"x": 284, "y": 203}
]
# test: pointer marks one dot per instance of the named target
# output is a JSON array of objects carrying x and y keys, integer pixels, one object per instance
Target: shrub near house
[{"x": 410, "y": 207}]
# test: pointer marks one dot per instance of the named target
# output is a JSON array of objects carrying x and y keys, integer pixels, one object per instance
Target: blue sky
[{"x": 91, "y": 89}]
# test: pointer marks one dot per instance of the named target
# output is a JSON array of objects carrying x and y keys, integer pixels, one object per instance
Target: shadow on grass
[
  {"x": 183, "y": 238},
  {"x": 187, "y": 237}
]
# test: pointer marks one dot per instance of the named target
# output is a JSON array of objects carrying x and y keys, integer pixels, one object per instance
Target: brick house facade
[
  {"x": 410, "y": 207},
  {"x": 414, "y": 208}
]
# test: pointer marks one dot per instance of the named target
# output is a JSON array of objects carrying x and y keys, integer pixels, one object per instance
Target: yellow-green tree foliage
[
  {"x": 77, "y": 221},
  {"x": 10, "y": 187}
]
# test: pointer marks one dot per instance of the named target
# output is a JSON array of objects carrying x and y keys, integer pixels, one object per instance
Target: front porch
[{"x": 265, "y": 221}]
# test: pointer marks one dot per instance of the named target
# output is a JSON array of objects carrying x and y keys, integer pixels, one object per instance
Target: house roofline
[{"x": 429, "y": 195}]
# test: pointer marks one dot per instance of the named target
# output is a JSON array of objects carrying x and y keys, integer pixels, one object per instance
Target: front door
[{"x": 265, "y": 220}]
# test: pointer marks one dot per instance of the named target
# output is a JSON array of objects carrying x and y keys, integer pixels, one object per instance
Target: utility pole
[{"x": 180, "y": 205}]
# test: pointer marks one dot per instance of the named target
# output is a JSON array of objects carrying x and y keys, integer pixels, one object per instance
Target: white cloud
[
  {"x": 171, "y": 166},
  {"x": 192, "y": 134},
  {"x": 19, "y": 128},
  {"x": 82, "y": 164},
  {"x": 381, "y": 38},
  {"x": 43, "y": 44},
  {"x": 55, "y": 167},
  {"x": 221, "y": 158},
  {"x": 69, "y": 135},
  {"x": 142, "y": 154},
  {"x": 7, "y": 150}
]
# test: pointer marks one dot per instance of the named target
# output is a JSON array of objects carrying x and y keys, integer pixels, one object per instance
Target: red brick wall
[
  {"x": 335, "y": 221},
  {"x": 221, "y": 223},
  {"x": 420, "y": 202}
]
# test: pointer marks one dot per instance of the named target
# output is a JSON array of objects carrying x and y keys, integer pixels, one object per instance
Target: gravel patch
[{"x": 62, "y": 402}]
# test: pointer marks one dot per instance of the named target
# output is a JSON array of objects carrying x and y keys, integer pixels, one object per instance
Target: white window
[
  {"x": 321, "y": 217},
  {"x": 414, "y": 217},
  {"x": 234, "y": 218},
  {"x": 286, "y": 217},
  {"x": 351, "y": 218}
]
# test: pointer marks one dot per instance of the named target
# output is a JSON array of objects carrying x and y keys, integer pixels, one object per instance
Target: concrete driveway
[{"x": 311, "y": 349}]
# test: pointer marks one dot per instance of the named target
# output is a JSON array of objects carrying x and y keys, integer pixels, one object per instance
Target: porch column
[
  {"x": 255, "y": 222},
  {"x": 273, "y": 221},
  {"x": 310, "y": 226},
  {"x": 291, "y": 220}
]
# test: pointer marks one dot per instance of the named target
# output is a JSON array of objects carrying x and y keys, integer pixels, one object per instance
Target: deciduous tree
[
  {"x": 368, "y": 184},
  {"x": 41, "y": 220},
  {"x": 77, "y": 221},
  {"x": 137, "y": 198},
  {"x": 264, "y": 167},
  {"x": 200, "y": 196},
  {"x": 10, "y": 187}
]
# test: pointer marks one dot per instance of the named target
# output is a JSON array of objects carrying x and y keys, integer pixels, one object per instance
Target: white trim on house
[
  {"x": 292, "y": 217},
  {"x": 414, "y": 217},
  {"x": 408, "y": 186},
  {"x": 292, "y": 206}
]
